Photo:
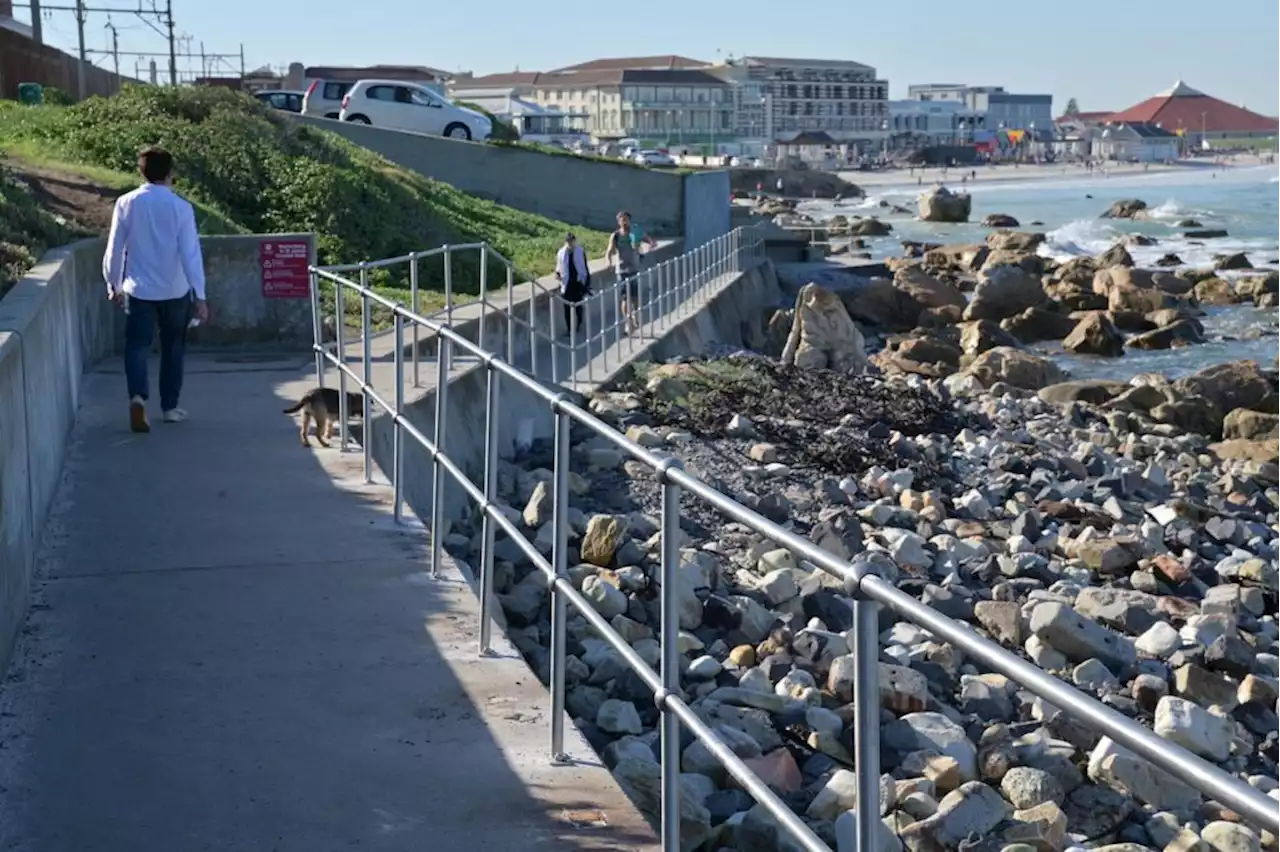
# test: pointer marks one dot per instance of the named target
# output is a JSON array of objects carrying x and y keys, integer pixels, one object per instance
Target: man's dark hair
[
  {"x": 155, "y": 163},
  {"x": 568, "y": 236},
  {"x": 622, "y": 213}
]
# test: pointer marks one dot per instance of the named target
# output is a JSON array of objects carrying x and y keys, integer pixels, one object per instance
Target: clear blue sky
[{"x": 1106, "y": 53}]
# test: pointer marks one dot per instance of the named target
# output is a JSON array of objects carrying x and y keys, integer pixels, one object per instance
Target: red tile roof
[{"x": 1185, "y": 107}]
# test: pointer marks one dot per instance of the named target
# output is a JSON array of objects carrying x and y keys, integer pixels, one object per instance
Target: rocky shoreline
[{"x": 1072, "y": 523}]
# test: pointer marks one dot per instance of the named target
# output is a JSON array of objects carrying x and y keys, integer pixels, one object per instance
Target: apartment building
[
  {"x": 778, "y": 99},
  {"x": 650, "y": 97},
  {"x": 987, "y": 109}
]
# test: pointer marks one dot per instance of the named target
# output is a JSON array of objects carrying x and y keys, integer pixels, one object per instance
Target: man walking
[
  {"x": 153, "y": 267},
  {"x": 624, "y": 253},
  {"x": 575, "y": 281}
]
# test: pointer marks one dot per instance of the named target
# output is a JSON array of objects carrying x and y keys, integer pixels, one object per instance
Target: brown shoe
[{"x": 138, "y": 415}]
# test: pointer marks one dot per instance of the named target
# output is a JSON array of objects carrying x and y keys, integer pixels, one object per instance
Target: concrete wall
[
  {"x": 707, "y": 210},
  {"x": 54, "y": 324},
  {"x": 571, "y": 189},
  {"x": 734, "y": 316}
]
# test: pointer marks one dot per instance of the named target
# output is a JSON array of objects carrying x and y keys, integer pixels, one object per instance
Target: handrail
[{"x": 860, "y": 581}]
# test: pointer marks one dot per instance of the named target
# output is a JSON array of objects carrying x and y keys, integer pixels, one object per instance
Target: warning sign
[{"x": 284, "y": 269}]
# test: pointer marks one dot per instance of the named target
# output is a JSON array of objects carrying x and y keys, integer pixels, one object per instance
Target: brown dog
[{"x": 321, "y": 405}]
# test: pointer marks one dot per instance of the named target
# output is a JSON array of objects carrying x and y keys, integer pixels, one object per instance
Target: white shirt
[
  {"x": 579, "y": 262},
  {"x": 153, "y": 251}
]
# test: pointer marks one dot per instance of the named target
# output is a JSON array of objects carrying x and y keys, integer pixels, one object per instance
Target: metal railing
[
  {"x": 868, "y": 591},
  {"x": 659, "y": 294}
]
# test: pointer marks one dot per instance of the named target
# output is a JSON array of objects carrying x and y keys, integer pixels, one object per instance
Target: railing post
[
  {"x": 317, "y": 326},
  {"x": 553, "y": 347},
  {"x": 491, "y": 425},
  {"x": 484, "y": 292},
  {"x": 340, "y": 322},
  {"x": 866, "y": 720},
  {"x": 443, "y": 350},
  {"x": 533, "y": 333},
  {"x": 415, "y": 304},
  {"x": 670, "y": 657},
  {"x": 511, "y": 315},
  {"x": 366, "y": 359},
  {"x": 586, "y": 334},
  {"x": 397, "y": 437},
  {"x": 448, "y": 286},
  {"x": 604, "y": 337},
  {"x": 560, "y": 563},
  {"x": 619, "y": 321}
]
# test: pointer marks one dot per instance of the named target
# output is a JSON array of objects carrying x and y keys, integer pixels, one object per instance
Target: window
[
  {"x": 335, "y": 91},
  {"x": 421, "y": 98},
  {"x": 382, "y": 93}
]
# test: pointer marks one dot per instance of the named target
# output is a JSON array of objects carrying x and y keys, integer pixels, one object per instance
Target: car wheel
[
  {"x": 359, "y": 119},
  {"x": 457, "y": 131}
]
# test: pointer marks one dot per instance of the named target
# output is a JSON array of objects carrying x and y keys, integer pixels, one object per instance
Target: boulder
[
  {"x": 1125, "y": 209},
  {"x": 600, "y": 541},
  {"x": 1077, "y": 270},
  {"x": 1014, "y": 367},
  {"x": 869, "y": 227},
  {"x": 1023, "y": 242},
  {"x": 1092, "y": 391},
  {"x": 1109, "y": 278},
  {"x": 1236, "y": 260},
  {"x": 1240, "y": 449},
  {"x": 1205, "y": 234},
  {"x": 1168, "y": 259},
  {"x": 1138, "y": 300},
  {"x": 1114, "y": 766},
  {"x": 1003, "y": 292},
  {"x": 1184, "y": 332},
  {"x": 965, "y": 257},
  {"x": 922, "y": 355},
  {"x": 641, "y": 780},
  {"x": 1138, "y": 240},
  {"x": 926, "y": 290},
  {"x": 999, "y": 220},
  {"x": 1190, "y": 414},
  {"x": 1036, "y": 324},
  {"x": 1236, "y": 384},
  {"x": 942, "y": 205},
  {"x": 879, "y": 302},
  {"x": 1251, "y": 425},
  {"x": 1215, "y": 291},
  {"x": 1096, "y": 334},
  {"x": 822, "y": 334},
  {"x": 1117, "y": 255},
  {"x": 1259, "y": 286},
  {"x": 1194, "y": 728},
  {"x": 978, "y": 336}
]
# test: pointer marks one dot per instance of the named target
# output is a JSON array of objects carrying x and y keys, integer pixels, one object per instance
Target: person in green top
[{"x": 626, "y": 244}]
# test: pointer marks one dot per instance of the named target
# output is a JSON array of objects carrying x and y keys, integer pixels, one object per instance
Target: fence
[
  {"x": 22, "y": 60},
  {"x": 868, "y": 590}
]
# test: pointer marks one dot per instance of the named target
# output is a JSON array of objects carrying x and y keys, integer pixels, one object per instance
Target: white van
[{"x": 398, "y": 105}]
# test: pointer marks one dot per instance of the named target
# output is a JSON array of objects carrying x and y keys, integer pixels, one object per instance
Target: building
[
  {"x": 778, "y": 99},
  {"x": 986, "y": 110},
  {"x": 665, "y": 98},
  {"x": 1194, "y": 115},
  {"x": 1130, "y": 141},
  {"x": 916, "y": 123}
]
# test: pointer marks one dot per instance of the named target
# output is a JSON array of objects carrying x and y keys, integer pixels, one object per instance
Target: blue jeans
[{"x": 141, "y": 318}]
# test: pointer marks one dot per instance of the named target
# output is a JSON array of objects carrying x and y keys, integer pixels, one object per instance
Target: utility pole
[
  {"x": 81, "y": 94},
  {"x": 173, "y": 50},
  {"x": 37, "y": 25},
  {"x": 115, "y": 50}
]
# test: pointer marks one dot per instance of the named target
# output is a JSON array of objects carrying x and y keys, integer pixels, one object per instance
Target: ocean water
[{"x": 1243, "y": 201}]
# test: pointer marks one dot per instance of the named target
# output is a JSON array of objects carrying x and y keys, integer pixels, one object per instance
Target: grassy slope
[{"x": 249, "y": 170}]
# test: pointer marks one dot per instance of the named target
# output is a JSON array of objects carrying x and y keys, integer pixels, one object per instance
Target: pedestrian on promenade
[
  {"x": 575, "y": 281},
  {"x": 625, "y": 247},
  {"x": 153, "y": 269}
]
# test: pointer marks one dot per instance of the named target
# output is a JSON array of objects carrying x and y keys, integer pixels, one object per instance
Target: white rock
[
  {"x": 839, "y": 794},
  {"x": 1194, "y": 728},
  {"x": 1112, "y": 765},
  {"x": 907, "y": 548},
  {"x": 779, "y": 586},
  {"x": 1223, "y": 836},
  {"x": 607, "y": 598},
  {"x": 705, "y": 667},
  {"x": 1159, "y": 641}
]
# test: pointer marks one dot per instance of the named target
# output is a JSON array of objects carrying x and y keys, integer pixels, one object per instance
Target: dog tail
[{"x": 296, "y": 407}]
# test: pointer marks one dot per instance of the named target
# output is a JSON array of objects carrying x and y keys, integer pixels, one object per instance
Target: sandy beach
[{"x": 1008, "y": 174}]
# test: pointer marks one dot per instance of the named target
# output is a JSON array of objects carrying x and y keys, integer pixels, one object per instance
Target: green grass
[
  {"x": 248, "y": 169},
  {"x": 1259, "y": 144}
]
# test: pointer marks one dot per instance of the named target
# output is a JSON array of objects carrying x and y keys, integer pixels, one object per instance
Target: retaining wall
[
  {"x": 54, "y": 324},
  {"x": 571, "y": 189},
  {"x": 733, "y": 316}
]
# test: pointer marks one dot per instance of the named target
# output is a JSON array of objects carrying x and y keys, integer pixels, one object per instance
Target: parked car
[
  {"x": 324, "y": 98},
  {"x": 405, "y": 106},
  {"x": 655, "y": 159},
  {"x": 289, "y": 101}
]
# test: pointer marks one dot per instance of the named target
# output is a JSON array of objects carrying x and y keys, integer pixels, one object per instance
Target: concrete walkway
[{"x": 233, "y": 648}]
